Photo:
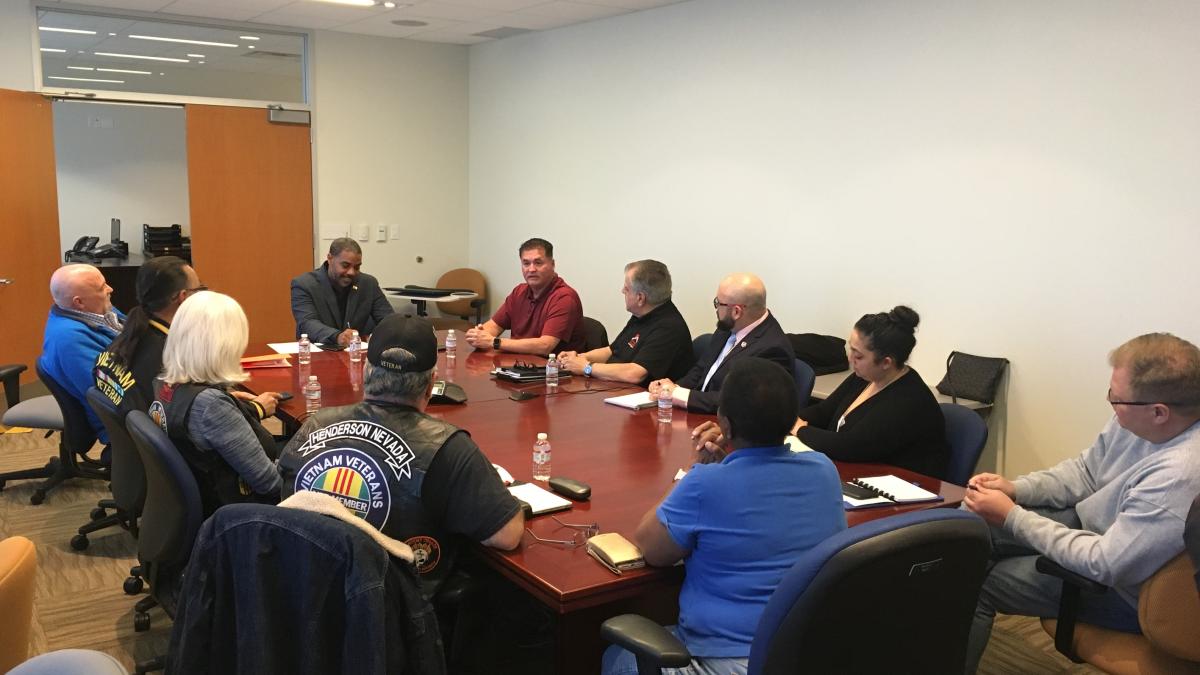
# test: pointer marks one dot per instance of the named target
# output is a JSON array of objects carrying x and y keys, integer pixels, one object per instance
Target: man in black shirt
[
  {"x": 654, "y": 344},
  {"x": 416, "y": 478}
]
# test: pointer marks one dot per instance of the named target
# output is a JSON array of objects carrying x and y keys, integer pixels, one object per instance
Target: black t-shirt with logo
[{"x": 660, "y": 342}]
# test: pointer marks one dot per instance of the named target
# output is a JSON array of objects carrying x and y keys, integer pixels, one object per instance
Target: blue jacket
[
  {"x": 280, "y": 590},
  {"x": 69, "y": 352}
]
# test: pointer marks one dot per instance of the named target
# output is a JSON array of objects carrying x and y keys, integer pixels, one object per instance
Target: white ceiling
[{"x": 451, "y": 21}]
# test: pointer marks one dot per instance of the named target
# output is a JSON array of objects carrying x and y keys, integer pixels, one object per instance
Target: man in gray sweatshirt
[{"x": 1116, "y": 513}]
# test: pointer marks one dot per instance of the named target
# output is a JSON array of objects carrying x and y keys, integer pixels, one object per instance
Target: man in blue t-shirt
[{"x": 738, "y": 521}]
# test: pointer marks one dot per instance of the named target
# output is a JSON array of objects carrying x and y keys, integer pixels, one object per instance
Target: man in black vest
[{"x": 416, "y": 478}]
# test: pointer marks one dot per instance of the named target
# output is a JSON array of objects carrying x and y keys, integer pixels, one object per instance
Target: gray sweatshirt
[{"x": 1132, "y": 497}]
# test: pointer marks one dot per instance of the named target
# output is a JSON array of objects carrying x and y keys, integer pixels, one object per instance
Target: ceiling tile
[
  {"x": 499, "y": 5},
  {"x": 448, "y": 37},
  {"x": 447, "y": 10},
  {"x": 576, "y": 11},
  {"x": 532, "y": 21},
  {"x": 634, "y": 4},
  {"x": 382, "y": 25}
]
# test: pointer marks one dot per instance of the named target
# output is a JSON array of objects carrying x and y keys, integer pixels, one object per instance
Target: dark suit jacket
[
  {"x": 315, "y": 306},
  {"x": 767, "y": 341}
]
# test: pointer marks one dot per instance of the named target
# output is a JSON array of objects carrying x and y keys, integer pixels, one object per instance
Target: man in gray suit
[{"x": 336, "y": 298}]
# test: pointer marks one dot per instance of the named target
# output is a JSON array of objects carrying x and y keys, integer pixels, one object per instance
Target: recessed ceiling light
[
  {"x": 139, "y": 56},
  {"x": 67, "y": 30},
  {"x": 122, "y": 70},
  {"x": 80, "y": 68},
  {"x": 249, "y": 37},
  {"x": 410, "y": 22},
  {"x": 390, "y": 5},
  {"x": 113, "y": 34},
  {"x": 250, "y": 46},
  {"x": 182, "y": 41},
  {"x": 85, "y": 79},
  {"x": 56, "y": 51},
  {"x": 196, "y": 56},
  {"x": 200, "y": 62}
]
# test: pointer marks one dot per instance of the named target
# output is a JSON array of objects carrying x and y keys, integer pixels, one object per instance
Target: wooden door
[
  {"x": 29, "y": 248},
  {"x": 250, "y": 188}
]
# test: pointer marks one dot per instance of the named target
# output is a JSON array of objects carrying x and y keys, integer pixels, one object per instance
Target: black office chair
[
  {"x": 966, "y": 434},
  {"x": 10, "y": 375},
  {"x": 700, "y": 345},
  {"x": 594, "y": 335},
  {"x": 128, "y": 480},
  {"x": 76, "y": 439},
  {"x": 269, "y": 574},
  {"x": 171, "y": 518},
  {"x": 37, "y": 413},
  {"x": 893, "y": 595}
]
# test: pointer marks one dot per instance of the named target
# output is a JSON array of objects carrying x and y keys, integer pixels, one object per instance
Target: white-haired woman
[{"x": 216, "y": 429}]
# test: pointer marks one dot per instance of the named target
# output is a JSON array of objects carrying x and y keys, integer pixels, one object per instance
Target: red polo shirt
[{"x": 557, "y": 312}]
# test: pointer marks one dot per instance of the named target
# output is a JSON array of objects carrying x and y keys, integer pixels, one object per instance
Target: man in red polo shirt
[{"x": 544, "y": 314}]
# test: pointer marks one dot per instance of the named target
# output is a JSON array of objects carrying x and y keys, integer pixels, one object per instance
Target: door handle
[{"x": 6, "y": 282}]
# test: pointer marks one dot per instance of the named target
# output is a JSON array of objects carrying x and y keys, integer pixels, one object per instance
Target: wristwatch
[
  {"x": 587, "y": 370},
  {"x": 496, "y": 343}
]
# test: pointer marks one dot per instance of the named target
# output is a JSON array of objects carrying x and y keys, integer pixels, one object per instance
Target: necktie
[{"x": 720, "y": 357}]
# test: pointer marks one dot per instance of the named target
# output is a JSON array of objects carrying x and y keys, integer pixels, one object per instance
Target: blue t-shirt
[{"x": 745, "y": 522}]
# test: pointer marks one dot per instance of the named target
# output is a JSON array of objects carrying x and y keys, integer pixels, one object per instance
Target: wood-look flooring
[{"x": 79, "y": 601}]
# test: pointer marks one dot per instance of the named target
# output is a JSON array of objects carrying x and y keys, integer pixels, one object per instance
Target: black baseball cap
[{"x": 412, "y": 334}]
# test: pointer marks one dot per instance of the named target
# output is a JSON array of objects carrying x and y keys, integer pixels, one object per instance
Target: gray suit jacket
[{"x": 315, "y": 306}]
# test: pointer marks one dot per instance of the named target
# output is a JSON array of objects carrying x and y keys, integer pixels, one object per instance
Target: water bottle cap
[
  {"x": 450, "y": 332},
  {"x": 304, "y": 336},
  {"x": 542, "y": 437},
  {"x": 312, "y": 378},
  {"x": 551, "y": 356},
  {"x": 354, "y": 333}
]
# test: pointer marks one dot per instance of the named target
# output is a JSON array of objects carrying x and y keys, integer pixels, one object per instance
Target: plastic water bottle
[
  {"x": 552, "y": 372},
  {"x": 666, "y": 407},
  {"x": 355, "y": 347},
  {"x": 305, "y": 354},
  {"x": 451, "y": 344},
  {"x": 312, "y": 395},
  {"x": 541, "y": 458}
]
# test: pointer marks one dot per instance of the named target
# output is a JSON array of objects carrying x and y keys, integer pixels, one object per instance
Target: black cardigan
[{"x": 901, "y": 425}]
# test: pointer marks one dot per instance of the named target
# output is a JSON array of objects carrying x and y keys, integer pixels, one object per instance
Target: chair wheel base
[
  {"x": 79, "y": 542},
  {"x": 133, "y": 585},
  {"x": 141, "y": 622},
  {"x": 37, "y": 497},
  {"x": 98, "y": 513}
]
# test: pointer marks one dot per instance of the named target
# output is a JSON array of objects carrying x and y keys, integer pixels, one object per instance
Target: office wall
[
  {"x": 390, "y": 133},
  {"x": 16, "y": 45},
  {"x": 1022, "y": 173},
  {"x": 119, "y": 161}
]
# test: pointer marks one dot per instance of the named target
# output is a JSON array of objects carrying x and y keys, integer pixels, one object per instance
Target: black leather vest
[
  {"x": 218, "y": 482},
  {"x": 373, "y": 458}
]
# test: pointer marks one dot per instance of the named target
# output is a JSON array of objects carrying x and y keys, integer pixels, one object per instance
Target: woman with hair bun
[{"x": 883, "y": 412}]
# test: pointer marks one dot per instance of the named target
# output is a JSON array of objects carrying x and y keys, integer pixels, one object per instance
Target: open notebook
[{"x": 883, "y": 490}]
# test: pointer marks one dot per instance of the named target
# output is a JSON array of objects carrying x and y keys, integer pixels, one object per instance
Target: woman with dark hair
[
  {"x": 883, "y": 412},
  {"x": 125, "y": 372}
]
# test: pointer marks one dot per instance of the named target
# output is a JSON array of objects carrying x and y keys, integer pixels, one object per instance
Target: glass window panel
[{"x": 112, "y": 53}]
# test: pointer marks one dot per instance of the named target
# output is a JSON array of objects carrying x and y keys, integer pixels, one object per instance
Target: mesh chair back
[
  {"x": 893, "y": 595},
  {"x": 594, "y": 335},
  {"x": 173, "y": 513},
  {"x": 805, "y": 378},
  {"x": 128, "y": 476},
  {"x": 77, "y": 435},
  {"x": 463, "y": 277},
  {"x": 700, "y": 345},
  {"x": 966, "y": 434}
]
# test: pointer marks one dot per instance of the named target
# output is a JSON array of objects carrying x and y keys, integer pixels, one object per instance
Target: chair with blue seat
[
  {"x": 966, "y": 434},
  {"x": 63, "y": 412},
  {"x": 171, "y": 518},
  {"x": 805, "y": 378},
  {"x": 895, "y": 594}
]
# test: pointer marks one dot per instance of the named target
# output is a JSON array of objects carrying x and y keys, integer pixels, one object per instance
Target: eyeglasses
[
  {"x": 197, "y": 289},
  {"x": 717, "y": 303},
  {"x": 578, "y": 538},
  {"x": 1112, "y": 402}
]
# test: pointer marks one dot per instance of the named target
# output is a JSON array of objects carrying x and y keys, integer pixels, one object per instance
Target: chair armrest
[
  {"x": 1048, "y": 566},
  {"x": 654, "y": 646},
  {"x": 10, "y": 374},
  {"x": 1068, "y": 604}
]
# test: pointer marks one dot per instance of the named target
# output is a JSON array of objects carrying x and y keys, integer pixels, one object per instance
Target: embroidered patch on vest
[
  {"x": 352, "y": 477},
  {"x": 634, "y": 340},
  {"x": 159, "y": 414},
  {"x": 427, "y": 553}
]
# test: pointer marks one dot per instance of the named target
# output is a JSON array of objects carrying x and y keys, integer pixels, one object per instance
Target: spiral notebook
[{"x": 870, "y": 491}]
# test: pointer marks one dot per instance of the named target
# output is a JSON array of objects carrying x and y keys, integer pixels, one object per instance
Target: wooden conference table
[{"x": 628, "y": 458}]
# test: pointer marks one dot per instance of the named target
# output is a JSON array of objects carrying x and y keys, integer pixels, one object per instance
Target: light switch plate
[
  {"x": 381, "y": 233},
  {"x": 395, "y": 230},
  {"x": 362, "y": 232}
]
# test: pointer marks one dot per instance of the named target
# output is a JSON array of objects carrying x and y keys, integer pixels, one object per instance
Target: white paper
[
  {"x": 538, "y": 499},
  {"x": 900, "y": 490},
  {"x": 635, "y": 401},
  {"x": 504, "y": 474},
  {"x": 289, "y": 347},
  {"x": 680, "y": 474},
  {"x": 796, "y": 445}
]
